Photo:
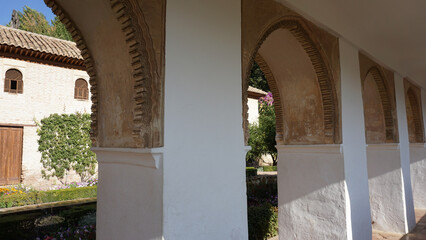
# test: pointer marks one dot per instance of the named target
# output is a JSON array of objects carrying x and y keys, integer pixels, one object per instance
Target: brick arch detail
[
  {"x": 88, "y": 62},
  {"x": 147, "y": 85},
  {"x": 297, "y": 27},
  {"x": 276, "y": 95},
  {"x": 385, "y": 98},
  {"x": 416, "y": 111}
]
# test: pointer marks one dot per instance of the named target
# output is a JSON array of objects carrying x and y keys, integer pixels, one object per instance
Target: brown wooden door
[{"x": 10, "y": 155}]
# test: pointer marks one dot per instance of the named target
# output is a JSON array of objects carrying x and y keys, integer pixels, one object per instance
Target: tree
[
  {"x": 64, "y": 143},
  {"x": 59, "y": 30},
  {"x": 258, "y": 79},
  {"x": 32, "y": 20},
  {"x": 262, "y": 134}
]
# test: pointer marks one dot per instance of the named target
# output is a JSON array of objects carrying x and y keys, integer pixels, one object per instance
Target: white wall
[
  {"x": 253, "y": 110},
  {"x": 47, "y": 89},
  {"x": 311, "y": 192},
  {"x": 354, "y": 152},
  {"x": 204, "y": 159},
  {"x": 386, "y": 187}
]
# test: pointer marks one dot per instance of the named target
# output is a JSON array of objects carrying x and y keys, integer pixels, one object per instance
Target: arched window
[
  {"x": 13, "y": 81},
  {"x": 81, "y": 90}
]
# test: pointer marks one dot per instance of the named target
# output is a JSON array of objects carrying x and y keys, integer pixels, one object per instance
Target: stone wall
[{"x": 47, "y": 90}]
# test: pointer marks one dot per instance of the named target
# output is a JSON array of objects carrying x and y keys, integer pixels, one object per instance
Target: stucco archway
[{"x": 301, "y": 64}]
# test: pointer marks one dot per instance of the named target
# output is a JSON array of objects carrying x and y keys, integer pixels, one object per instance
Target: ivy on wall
[{"x": 64, "y": 143}]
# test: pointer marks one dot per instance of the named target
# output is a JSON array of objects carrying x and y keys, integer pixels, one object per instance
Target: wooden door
[{"x": 10, "y": 155}]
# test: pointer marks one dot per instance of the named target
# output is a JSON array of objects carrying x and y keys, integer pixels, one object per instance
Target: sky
[{"x": 7, "y": 6}]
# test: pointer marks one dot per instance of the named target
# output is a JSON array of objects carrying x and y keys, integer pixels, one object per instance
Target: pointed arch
[
  {"x": 385, "y": 97},
  {"x": 297, "y": 27},
  {"x": 416, "y": 115}
]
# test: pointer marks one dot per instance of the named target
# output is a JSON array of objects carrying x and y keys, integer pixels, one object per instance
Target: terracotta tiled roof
[{"x": 40, "y": 43}]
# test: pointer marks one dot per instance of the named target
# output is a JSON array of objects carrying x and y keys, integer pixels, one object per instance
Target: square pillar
[
  {"x": 410, "y": 221},
  {"x": 358, "y": 218},
  {"x": 418, "y": 165}
]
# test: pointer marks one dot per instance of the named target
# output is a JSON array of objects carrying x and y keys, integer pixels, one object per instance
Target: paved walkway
[{"x": 418, "y": 233}]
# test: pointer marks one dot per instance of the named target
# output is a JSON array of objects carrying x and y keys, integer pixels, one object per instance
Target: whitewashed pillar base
[{"x": 130, "y": 193}]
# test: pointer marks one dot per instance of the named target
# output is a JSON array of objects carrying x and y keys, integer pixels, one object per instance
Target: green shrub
[
  {"x": 262, "y": 221},
  {"x": 64, "y": 144},
  {"x": 23, "y": 199},
  {"x": 262, "y": 187},
  {"x": 251, "y": 171},
  {"x": 270, "y": 168}
]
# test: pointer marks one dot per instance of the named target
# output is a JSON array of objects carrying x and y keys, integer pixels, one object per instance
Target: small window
[
  {"x": 13, "y": 82},
  {"x": 81, "y": 90}
]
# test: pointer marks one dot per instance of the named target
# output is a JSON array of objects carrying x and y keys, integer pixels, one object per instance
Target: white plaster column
[
  {"x": 204, "y": 153},
  {"x": 311, "y": 192},
  {"x": 130, "y": 193},
  {"x": 410, "y": 221},
  {"x": 358, "y": 218},
  {"x": 418, "y": 165}
]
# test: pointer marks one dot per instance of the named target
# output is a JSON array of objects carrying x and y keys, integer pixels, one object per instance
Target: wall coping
[
  {"x": 315, "y": 148},
  {"x": 145, "y": 157}
]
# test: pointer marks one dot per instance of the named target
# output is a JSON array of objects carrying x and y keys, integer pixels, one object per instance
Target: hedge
[
  {"x": 251, "y": 171},
  {"x": 262, "y": 221},
  {"x": 269, "y": 168},
  {"x": 23, "y": 199}
]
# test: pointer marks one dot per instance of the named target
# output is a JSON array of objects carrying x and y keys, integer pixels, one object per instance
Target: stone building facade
[{"x": 49, "y": 70}]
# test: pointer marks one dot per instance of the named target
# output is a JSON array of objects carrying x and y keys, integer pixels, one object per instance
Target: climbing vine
[{"x": 64, "y": 143}]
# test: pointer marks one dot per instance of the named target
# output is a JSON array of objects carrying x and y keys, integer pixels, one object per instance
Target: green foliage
[
  {"x": 270, "y": 168},
  {"x": 262, "y": 221},
  {"x": 65, "y": 144},
  {"x": 59, "y": 30},
  {"x": 258, "y": 79},
  {"x": 262, "y": 188},
  {"x": 37, "y": 197},
  {"x": 262, "y": 135},
  {"x": 251, "y": 171},
  {"x": 33, "y": 21}
]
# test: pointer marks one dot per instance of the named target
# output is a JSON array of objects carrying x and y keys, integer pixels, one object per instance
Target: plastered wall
[{"x": 47, "y": 90}]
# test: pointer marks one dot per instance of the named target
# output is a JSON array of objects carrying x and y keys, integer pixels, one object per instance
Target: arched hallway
[{"x": 169, "y": 84}]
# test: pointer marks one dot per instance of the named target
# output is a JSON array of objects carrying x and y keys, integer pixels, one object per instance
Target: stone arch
[
  {"x": 144, "y": 37},
  {"x": 88, "y": 62},
  {"x": 147, "y": 92},
  {"x": 385, "y": 98},
  {"x": 297, "y": 27},
  {"x": 276, "y": 94},
  {"x": 416, "y": 133}
]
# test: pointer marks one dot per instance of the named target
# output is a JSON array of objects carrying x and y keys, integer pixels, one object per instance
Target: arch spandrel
[
  {"x": 321, "y": 47},
  {"x": 414, "y": 112},
  {"x": 133, "y": 63}
]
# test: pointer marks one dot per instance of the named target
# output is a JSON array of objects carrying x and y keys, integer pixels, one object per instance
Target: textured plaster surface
[
  {"x": 311, "y": 192},
  {"x": 130, "y": 194},
  {"x": 47, "y": 90},
  {"x": 418, "y": 174},
  {"x": 298, "y": 88},
  {"x": 386, "y": 188}
]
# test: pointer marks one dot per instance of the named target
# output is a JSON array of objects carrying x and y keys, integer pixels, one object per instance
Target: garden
[{"x": 67, "y": 212}]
